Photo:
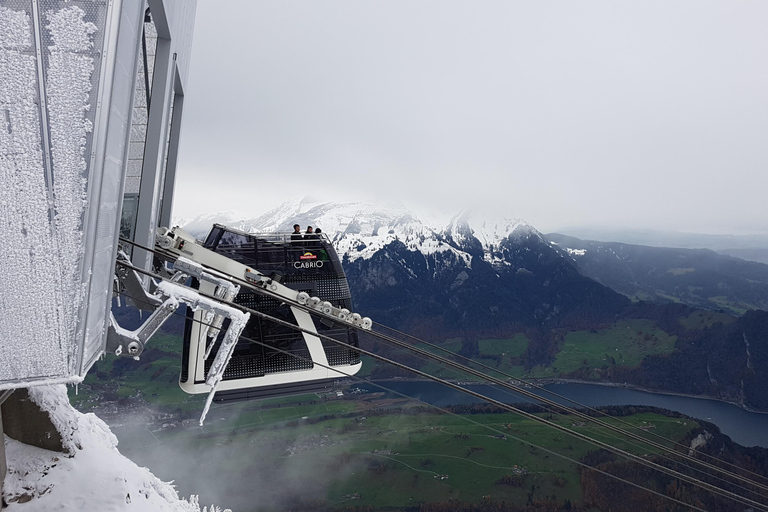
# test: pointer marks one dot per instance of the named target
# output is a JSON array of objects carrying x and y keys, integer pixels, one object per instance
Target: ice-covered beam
[{"x": 237, "y": 318}]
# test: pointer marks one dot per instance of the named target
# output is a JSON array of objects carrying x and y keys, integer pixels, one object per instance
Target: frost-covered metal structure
[{"x": 91, "y": 97}]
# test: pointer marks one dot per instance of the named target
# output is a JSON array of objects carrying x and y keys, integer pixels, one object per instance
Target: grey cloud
[{"x": 635, "y": 114}]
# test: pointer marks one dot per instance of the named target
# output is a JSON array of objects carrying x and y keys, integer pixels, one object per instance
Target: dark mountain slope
[
  {"x": 727, "y": 361},
  {"x": 697, "y": 277},
  {"x": 523, "y": 283}
]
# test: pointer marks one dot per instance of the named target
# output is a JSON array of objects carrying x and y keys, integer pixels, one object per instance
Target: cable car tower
[{"x": 92, "y": 128}]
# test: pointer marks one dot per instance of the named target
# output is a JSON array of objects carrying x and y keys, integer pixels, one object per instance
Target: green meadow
[
  {"x": 625, "y": 343},
  {"x": 401, "y": 455}
]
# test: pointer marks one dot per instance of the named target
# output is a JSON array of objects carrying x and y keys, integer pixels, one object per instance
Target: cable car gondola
[{"x": 282, "y": 360}]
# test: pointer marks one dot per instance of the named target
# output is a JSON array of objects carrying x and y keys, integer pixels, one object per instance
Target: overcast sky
[{"x": 638, "y": 114}]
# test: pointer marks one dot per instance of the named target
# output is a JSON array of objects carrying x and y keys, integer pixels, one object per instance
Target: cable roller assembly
[{"x": 341, "y": 314}]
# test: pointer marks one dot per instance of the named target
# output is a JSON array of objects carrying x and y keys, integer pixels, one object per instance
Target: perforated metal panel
[
  {"x": 258, "y": 365},
  {"x": 338, "y": 355}
]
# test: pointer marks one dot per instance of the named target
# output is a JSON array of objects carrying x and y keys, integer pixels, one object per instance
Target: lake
[{"x": 743, "y": 427}]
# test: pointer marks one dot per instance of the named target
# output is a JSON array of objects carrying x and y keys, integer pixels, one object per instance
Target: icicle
[
  {"x": 116, "y": 286},
  {"x": 207, "y": 405},
  {"x": 216, "y": 373},
  {"x": 238, "y": 320}
]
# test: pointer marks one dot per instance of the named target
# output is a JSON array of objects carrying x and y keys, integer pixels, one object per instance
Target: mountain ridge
[
  {"x": 358, "y": 229},
  {"x": 721, "y": 243},
  {"x": 482, "y": 271},
  {"x": 697, "y": 277}
]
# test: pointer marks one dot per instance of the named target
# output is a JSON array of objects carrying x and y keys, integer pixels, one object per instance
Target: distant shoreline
[
  {"x": 545, "y": 381},
  {"x": 563, "y": 380}
]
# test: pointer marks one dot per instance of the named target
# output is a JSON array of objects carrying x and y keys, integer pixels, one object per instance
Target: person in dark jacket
[
  {"x": 310, "y": 238},
  {"x": 296, "y": 235}
]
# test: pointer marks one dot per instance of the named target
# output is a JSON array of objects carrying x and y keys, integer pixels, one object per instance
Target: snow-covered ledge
[{"x": 91, "y": 474}]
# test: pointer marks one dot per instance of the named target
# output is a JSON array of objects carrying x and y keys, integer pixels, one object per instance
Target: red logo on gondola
[{"x": 307, "y": 256}]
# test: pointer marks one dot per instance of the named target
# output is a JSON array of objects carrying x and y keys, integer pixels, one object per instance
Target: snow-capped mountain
[
  {"x": 490, "y": 232},
  {"x": 481, "y": 276},
  {"x": 359, "y": 229},
  {"x": 480, "y": 271}
]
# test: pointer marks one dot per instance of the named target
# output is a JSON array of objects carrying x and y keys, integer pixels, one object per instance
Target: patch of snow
[
  {"x": 709, "y": 373},
  {"x": 93, "y": 475},
  {"x": 463, "y": 276},
  {"x": 749, "y": 355},
  {"x": 201, "y": 225},
  {"x": 576, "y": 252},
  {"x": 180, "y": 222},
  {"x": 698, "y": 441},
  {"x": 490, "y": 229}
]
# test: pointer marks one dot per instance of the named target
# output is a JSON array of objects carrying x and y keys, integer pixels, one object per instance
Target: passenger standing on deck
[
  {"x": 310, "y": 235},
  {"x": 296, "y": 235}
]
